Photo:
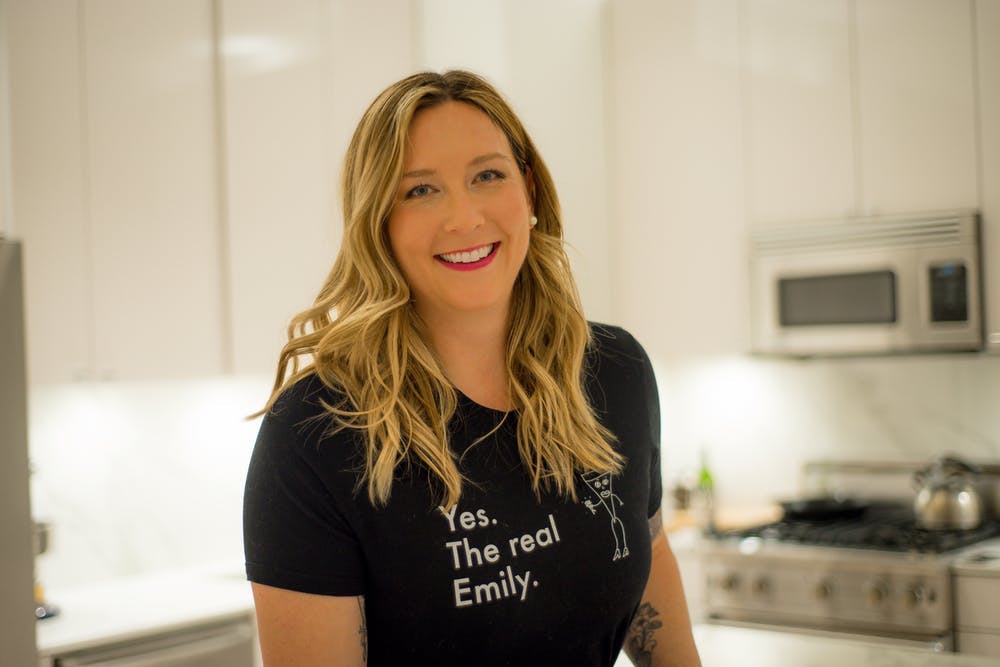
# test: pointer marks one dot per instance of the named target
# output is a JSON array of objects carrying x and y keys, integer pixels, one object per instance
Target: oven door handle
[{"x": 943, "y": 643}]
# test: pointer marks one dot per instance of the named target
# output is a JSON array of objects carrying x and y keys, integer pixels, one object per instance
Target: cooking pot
[{"x": 947, "y": 498}]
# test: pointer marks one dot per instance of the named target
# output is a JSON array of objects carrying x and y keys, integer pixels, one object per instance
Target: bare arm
[
  {"x": 660, "y": 634},
  {"x": 304, "y": 629}
]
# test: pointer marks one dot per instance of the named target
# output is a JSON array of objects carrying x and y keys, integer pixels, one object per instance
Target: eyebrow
[{"x": 416, "y": 173}]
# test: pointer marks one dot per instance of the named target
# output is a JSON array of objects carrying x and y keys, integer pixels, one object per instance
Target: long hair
[{"x": 362, "y": 335}]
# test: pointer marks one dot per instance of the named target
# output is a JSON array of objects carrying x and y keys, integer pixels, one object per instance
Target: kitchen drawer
[{"x": 977, "y": 603}]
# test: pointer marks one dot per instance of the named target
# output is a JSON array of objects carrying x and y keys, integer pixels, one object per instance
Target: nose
[{"x": 464, "y": 213}]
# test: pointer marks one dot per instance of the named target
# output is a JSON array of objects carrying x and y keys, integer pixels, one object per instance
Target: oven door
[{"x": 942, "y": 643}]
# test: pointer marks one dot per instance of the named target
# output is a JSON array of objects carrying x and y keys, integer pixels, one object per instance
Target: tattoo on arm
[
  {"x": 363, "y": 630},
  {"x": 655, "y": 525},
  {"x": 639, "y": 640}
]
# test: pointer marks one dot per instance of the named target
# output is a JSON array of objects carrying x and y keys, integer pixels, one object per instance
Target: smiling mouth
[{"x": 468, "y": 256}]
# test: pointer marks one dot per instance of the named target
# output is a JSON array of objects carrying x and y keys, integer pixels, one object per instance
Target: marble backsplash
[
  {"x": 759, "y": 420},
  {"x": 140, "y": 477}
]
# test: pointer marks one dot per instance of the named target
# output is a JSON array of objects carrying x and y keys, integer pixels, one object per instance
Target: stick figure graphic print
[{"x": 600, "y": 484}]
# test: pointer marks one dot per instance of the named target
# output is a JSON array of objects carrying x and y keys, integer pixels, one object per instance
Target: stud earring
[{"x": 533, "y": 221}]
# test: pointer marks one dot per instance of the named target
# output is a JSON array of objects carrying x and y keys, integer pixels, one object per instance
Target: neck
[{"x": 472, "y": 350}]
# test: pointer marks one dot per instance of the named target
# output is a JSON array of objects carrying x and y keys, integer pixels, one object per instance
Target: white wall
[
  {"x": 141, "y": 476},
  {"x": 760, "y": 420}
]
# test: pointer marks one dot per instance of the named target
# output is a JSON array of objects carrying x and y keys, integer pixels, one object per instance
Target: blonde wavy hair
[{"x": 363, "y": 338}]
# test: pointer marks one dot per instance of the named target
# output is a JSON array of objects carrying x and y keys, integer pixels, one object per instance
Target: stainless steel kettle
[{"x": 947, "y": 498}]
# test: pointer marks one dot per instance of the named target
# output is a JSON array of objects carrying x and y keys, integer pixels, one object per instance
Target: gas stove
[
  {"x": 875, "y": 576},
  {"x": 885, "y": 526}
]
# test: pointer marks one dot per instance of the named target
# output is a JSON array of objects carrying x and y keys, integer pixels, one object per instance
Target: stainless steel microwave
[{"x": 876, "y": 285}]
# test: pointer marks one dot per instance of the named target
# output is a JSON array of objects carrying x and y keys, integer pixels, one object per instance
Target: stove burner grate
[{"x": 882, "y": 527}]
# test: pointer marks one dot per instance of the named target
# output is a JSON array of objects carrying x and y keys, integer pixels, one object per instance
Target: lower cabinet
[{"x": 977, "y": 613}]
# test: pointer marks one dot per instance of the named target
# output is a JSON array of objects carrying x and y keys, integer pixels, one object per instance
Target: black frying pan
[{"x": 823, "y": 508}]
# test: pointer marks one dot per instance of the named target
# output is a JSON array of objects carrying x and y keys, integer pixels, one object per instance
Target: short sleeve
[
  {"x": 296, "y": 534},
  {"x": 652, "y": 399}
]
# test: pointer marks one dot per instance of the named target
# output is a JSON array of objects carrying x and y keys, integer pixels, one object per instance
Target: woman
[{"x": 461, "y": 470}]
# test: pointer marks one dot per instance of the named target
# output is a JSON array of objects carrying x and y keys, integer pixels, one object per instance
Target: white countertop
[
  {"x": 131, "y": 607},
  {"x": 980, "y": 560},
  {"x": 722, "y": 646}
]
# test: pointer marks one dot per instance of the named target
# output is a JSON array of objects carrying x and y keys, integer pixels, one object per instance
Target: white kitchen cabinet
[
  {"x": 797, "y": 110},
  {"x": 987, "y": 14},
  {"x": 916, "y": 99},
  {"x": 280, "y": 173},
  {"x": 114, "y": 187},
  {"x": 48, "y": 188},
  {"x": 150, "y": 127},
  {"x": 293, "y": 90},
  {"x": 679, "y": 242},
  {"x": 858, "y": 108}
]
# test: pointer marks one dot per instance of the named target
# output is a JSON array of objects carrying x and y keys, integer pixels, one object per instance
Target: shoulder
[
  {"x": 302, "y": 399},
  {"x": 304, "y": 394},
  {"x": 616, "y": 345},
  {"x": 300, "y": 414},
  {"x": 617, "y": 370}
]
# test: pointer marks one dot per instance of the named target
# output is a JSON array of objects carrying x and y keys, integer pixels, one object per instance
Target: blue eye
[
  {"x": 489, "y": 175},
  {"x": 418, "y": 191}
]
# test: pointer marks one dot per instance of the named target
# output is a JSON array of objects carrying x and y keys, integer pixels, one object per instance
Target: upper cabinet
[
  {"x": 859, "y": 108},
  {"x": 804, "y": 110},
  {"x": 293, "y": 88},
  {"x": 916, "y": 101},
  {"x": 797, "y": 110},
  {"x": 678, "y": 242},
  {"x": 151, "y": 175},
  {"x": 279, "y": 169},
  {"x": 114, "y": 187},
  {"x": 175, "y": 170},
  {"x": 48, "y": 202}
]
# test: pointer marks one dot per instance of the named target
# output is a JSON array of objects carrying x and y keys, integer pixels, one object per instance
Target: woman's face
[{"x": 459, "y": 229}]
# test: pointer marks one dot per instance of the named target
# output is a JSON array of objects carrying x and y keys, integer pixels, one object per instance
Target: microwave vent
[{"x": 867, "y": 233}]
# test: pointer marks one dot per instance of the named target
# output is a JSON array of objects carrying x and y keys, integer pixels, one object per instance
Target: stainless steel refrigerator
[{"x": 17, "y": 619}]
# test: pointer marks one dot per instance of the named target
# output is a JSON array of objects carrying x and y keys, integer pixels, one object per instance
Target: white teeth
[{"x": 468, "y": 256}]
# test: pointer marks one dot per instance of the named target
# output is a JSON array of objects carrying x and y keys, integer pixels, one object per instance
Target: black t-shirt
[{"x": 503, "y": 578}]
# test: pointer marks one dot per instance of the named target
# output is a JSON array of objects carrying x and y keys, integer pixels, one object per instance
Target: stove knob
[
  {"x": 731, "y": 583},
  {"x": 915, "y": 595},
  {"x": 762, "y": 586},
  {"x": 875, "y": 593},
  {"x": 824, "y": 590}
]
